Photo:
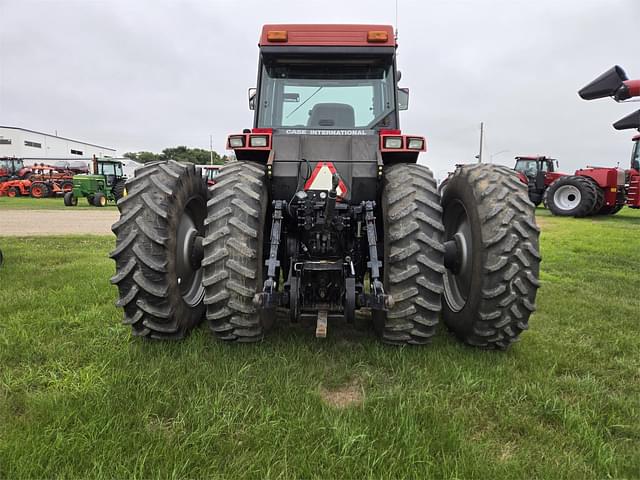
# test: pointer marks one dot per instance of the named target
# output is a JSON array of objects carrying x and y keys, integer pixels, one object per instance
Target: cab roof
[{"x": 327, "y": 35}]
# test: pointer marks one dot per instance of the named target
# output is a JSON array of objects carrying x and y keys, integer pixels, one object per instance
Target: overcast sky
[{"x": 145, "y": 75}]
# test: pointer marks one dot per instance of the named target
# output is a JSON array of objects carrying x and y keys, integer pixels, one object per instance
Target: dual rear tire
[{"x": 158, "y": 272}]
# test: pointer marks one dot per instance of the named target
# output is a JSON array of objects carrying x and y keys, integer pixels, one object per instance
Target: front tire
[
  {"x": 413, "y": 255},
  {"x": 233, "y": 252},
  {"x": 99, "y": 200},
  {"x": 70, "y": 200},
  {"x": 492, "y": 259},
  {"x": 158, "y": 272}
]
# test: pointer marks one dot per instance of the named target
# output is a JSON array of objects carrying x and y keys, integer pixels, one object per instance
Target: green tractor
[{"x": 106, "y": 183}]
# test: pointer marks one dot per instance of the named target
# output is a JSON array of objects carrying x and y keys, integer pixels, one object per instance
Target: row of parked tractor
[
  {"x": 592, "y": 190},
  {"x": 104, "y": 182},
  {"x": 37, "y": 181}
]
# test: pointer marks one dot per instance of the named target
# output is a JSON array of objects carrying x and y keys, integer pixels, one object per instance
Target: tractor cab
[
  {"x": 210, "y": 172},
  {"x": 531, "y": 166},
  {"x": 327, "y": 102},
  {"x": 535, "y": 169},
  {"x": 11, "y": 167},
  {"x": 110, "y": 169}
]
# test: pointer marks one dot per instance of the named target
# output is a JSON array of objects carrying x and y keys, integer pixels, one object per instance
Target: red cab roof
[{"x": 328, "y": 35}]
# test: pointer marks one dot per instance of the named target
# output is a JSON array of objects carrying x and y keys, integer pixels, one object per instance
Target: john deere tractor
[
  {"x": 327, "y": 212},
  {"x": 106, "y": 183}
]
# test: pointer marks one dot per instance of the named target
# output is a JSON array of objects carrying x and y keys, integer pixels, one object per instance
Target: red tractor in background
[
  {"x": 210, "y": 172},
  {"x": 12, "y": 168},
  {"x": 537, "y": 172},
  {"x": 589, "y": 191}
]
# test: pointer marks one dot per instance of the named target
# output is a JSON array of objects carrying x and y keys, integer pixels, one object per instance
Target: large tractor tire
[
  {"x": 491, "y": 256},
  {"x": 233, "y": 252},
  {"x": 413, "y": 255},
  {"x": 158, "y": 254},
  {"x": 119, "y": 190},
  {"x": 39, "y": 190},
  {"x": 572, "y": 196}
]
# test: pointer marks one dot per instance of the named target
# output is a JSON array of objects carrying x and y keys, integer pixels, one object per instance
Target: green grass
[
  {"x": 80, "y": 398},
  {"x": 57, "y": 203}
]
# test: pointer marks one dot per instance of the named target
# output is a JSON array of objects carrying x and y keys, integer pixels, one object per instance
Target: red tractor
[
  {"x": 589, "y": 191},
  {"x": 12, "y": 168},
  {"x": 210, "y": 172},
  {"x": 326, "y": 212},
  {"x": 537, "y": 172}
]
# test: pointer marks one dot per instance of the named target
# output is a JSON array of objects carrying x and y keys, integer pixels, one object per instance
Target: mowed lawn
[{"x": 80, "y": 398}]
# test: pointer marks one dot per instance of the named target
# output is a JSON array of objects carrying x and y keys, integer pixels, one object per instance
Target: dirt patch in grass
[
  {"x": 542, "y": 222},
  {"x": 343, "y": 396}
]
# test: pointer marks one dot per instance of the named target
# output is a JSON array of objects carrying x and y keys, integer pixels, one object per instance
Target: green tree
[{"x": 180, "y": 153}]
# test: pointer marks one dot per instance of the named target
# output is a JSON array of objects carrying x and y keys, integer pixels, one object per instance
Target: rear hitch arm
[
  {"x": 270, "y": 297},
  {"x": 377, "y": 300}
]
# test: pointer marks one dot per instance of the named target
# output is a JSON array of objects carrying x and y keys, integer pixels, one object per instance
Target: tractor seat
[{"x": 339, "y": 115}]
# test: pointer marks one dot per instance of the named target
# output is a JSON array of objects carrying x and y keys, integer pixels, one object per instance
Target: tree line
[{"x": 181, "y": 153}]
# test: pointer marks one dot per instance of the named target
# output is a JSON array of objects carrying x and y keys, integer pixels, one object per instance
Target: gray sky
[{"x": 145, "y": 75}]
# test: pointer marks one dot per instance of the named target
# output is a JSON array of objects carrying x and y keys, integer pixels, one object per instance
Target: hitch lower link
[{"x": 270, "y": 298}]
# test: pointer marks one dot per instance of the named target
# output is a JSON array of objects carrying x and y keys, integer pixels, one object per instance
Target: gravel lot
[{"x": 53, "y": 222}]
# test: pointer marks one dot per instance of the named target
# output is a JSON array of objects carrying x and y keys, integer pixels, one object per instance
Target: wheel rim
[
  {"x": 567, "y": 197},
  {"x": 37, "y": 191},
  {"x": 103, "y": 201},
  {"x": 11, "y": 193},
  {"x": 457, "y": 278},
  {"x": 188, "y": 262}
]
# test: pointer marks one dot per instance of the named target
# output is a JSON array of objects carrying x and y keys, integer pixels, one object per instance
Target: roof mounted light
[
  {"x": 277, "y": 36},
  {"x": 377, "y": 36}
]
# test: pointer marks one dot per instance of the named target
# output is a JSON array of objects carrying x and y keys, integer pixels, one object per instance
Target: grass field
[
  {"x": 80, "y": 398},
  {"x": 28, "y": 203}
]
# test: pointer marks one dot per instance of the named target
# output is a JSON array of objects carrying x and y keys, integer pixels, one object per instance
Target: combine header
[{"x": 327, "y": 211}]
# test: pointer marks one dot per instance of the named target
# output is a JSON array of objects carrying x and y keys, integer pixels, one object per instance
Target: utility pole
[
  {"x": 211, "y": 148},
  {"x": 479, "y": 157}
]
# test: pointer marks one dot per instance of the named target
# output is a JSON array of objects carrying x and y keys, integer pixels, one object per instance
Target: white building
[{"x": 28, "y": 144}]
